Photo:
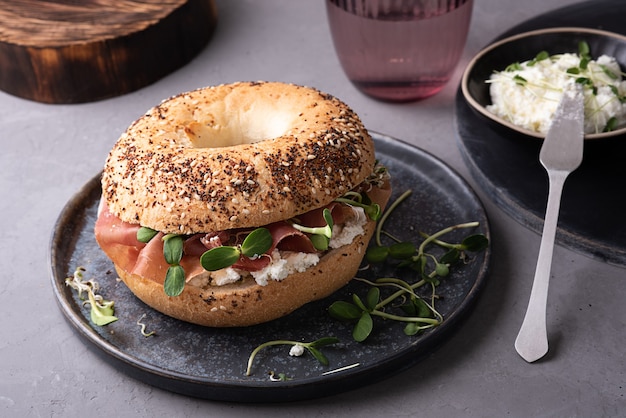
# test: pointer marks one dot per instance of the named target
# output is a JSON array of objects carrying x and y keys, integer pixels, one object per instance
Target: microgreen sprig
[
  {"x": 102, "y": 311},
  {"x": 142, "y": 326},
  {"x": 256, "y": 243},
  {"x": 419, "y": 313},
  {"x": 173, "y": 252},
  {"x": 313, "y": 347},
  {"x": 282, "y": 377},
  {"x": 175, "y": 275},
  {"x": 372, "y": 210},
  {"x": 145, "y": 234},
  {"x": 319, "y": 236}
]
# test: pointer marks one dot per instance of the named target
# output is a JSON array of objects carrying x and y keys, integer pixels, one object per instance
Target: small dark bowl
[{"x": 526, "y": 46}]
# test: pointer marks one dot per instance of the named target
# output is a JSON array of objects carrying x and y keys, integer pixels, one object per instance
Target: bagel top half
[{"x": 234, "y": 156}]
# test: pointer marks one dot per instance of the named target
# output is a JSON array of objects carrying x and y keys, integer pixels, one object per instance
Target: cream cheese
[
  {"x": 285, "y": 263},
  {"x": 529, "y": 94}
]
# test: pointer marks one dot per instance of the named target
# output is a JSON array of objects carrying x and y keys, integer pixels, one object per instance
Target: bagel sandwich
[{"x": 236, "y": 204}]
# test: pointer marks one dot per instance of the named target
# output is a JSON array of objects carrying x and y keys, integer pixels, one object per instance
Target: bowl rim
[{"x": 496, "y": 44}]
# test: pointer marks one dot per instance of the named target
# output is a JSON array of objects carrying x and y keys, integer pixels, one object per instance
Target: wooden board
[{"x": 68, "y": 51}]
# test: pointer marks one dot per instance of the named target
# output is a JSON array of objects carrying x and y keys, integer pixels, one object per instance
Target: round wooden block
[{"x": 66, "y": 51}]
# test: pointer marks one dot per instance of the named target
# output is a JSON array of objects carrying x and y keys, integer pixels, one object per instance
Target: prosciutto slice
[{"x": 118, "y": 239}]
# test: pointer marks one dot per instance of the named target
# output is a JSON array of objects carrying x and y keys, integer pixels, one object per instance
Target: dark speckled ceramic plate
[{"x": 210, "y": 363}]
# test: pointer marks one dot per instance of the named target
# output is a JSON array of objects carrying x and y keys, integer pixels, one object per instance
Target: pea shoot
[
  {"x": 256, "y": 243},
  {"x": 101, "y": 310},
  {"x": 314, "y": 348},
  {"x": 417, "y": 312},
  {"x": 173, "y": 253},
  {"x": 361, "y": 200},
  {"x": 319, "y": 236},
  {"x": 142, "y": 326},
  {"x": 175, "y": 275}
]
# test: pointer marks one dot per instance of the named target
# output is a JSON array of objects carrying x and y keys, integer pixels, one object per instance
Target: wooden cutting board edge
[{"x": 105, "y": 67}]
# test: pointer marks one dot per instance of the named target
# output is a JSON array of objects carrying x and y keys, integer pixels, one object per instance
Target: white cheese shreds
[
  {"x": 352, "y": 229},
  {"x": 528, "y": 95},
  {"x": 284, "y": 264},
  {"x": 225, "y": 276},
  {"x": 296, "y": 350}
]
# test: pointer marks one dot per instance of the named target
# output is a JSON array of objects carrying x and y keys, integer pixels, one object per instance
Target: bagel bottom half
[{"x": 247, "y": 303}]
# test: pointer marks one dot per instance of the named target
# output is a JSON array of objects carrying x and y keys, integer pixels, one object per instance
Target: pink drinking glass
[{"x": 399, "y": 50}]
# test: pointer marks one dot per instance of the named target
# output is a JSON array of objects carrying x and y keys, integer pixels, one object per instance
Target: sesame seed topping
[{"x": 323, "y": 153}]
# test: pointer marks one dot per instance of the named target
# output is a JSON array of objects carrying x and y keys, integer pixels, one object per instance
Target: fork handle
[{"x": 532, "y": 340}]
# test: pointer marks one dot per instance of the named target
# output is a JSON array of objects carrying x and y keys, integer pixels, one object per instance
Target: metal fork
[{"x": 561, "y": 153}]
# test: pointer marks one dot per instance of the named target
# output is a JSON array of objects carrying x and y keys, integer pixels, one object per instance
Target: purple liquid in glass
[{"x": 396, "y": 51}]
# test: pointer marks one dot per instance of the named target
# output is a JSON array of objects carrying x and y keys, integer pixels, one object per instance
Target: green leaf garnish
[
  {"x": 608, "y": 72},
  {"x": 257, "y": 243},
  {"x": 402, "y": 250},
  {"x": 377, "y": 254},
  {"x": 320, "y": 235},
  {"x": 320, "y": 242},
  {"x": 101, "y": 311},
  {"x": 324, "y": 341},
  {"x": 441, "y": 269},
  {"x": 174, "y": 281},
  {"x": 419, "y": 314},
  {"x": 344, "y": 311},
  {"x": 451, "y": 257},
  {"x": 583, "y": 49},
  {"x": 611, "y": 124},
  {"x": 319, "y": 356},
  {"x": 219, "y": 258},
  {"x": 312, "y": 347},
  {"x": 363, "y": 327},
  {"x": 475, "y": 243},
  {"x": 372, "y": 210},
  {"x": 145, "y": 234},
  {"x": 373, "y": 296},
  {"x": 543, "y": 55},
  {"x": 520, "y": 80},
  {"x": 328, "y": 218},
  {"x": 516, "y": 66},
  {"x": 358, "y": 302},
  {"x": 172, "y": 249}
]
